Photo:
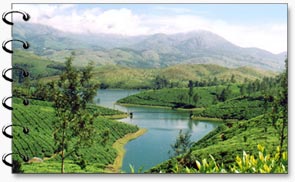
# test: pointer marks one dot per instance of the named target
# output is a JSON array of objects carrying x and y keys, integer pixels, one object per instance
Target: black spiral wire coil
[{"x": 25, "y": 74}]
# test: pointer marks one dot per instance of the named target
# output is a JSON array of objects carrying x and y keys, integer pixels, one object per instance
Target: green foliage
[
  {"x": 263, "y": 163},
  {"x": 160, "y": 82},
  {"x": 74, "y": 127},
  {"x": 191, "y": 89},
  {"x": 53, "y": 167},
  {"x": 39, "y": 117},
  {"x": 38, "y": 67},
  {"x": 182, "y": 143},
  {"x": 257, "y": 131},
  {"x": 196, "y": 98},
  {"x": 178, "y": 97},
  {"x": 115, "y": 76},
  {"x": 237, "y": 108}
]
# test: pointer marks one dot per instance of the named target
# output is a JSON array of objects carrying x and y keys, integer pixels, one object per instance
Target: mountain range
[{"x": 146, "y": 51}]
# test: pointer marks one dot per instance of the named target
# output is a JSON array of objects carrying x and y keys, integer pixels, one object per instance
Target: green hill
[
  {"x": 112, "y": 76},
  {"x": 37, "y": 66},
  {"x": 38, "y": 118},
  {"x": 174, "y": 76},
  {"x": 227, "y": 142},
  {"x": 128, "y": 77},
  {"x": 239, "y": 108},
  {"x": 176, "y": 97}
]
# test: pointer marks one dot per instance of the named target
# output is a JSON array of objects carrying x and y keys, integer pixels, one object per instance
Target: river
[{"x": 163, "y": 127}]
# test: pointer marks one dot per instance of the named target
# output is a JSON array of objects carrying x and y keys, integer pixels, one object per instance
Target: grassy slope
[
  {"x": 242, "y": 136},
  {"x": 37, "y": 66},
  {"x": 38, "y": 117},
  {"x": 229, "y": 140},
  {"x": 138, "y": 78},
  {"x": 239, "y": 108},
  {"x": 170, "y": 97},
  {"x": 132, "y": 78},
  {"x": 236, "y": 107}
]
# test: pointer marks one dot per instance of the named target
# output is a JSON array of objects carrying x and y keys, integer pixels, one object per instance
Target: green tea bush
[{"x": 264, "y": 162}]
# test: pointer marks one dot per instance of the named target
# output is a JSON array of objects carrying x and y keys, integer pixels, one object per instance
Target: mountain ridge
[{"x": 147, "y": 51}]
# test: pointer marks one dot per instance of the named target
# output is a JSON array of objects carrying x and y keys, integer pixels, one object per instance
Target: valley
[{"x": 145, "y": 99}]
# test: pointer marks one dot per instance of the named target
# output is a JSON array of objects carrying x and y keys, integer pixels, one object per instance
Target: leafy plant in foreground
[{"x": 263, "y": 163}]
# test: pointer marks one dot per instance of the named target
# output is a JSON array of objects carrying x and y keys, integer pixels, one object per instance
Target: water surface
[{"x": 163, "y": 127}]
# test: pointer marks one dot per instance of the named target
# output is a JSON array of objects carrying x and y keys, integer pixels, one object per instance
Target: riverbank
[
  {"x": 161, "y": 107},
  {"x": 119, "y": 146},
  {"x": 117, "y": 116},
  {"x": 182, "y": 109},
  {"x": 211, "y": 119}
]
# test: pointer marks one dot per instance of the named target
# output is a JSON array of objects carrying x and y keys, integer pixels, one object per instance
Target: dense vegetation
[
  {"x": 114, "y": 76},
  {"x": 262, "y": 162},
  {"x": 251, "y": 103},
  {"x": 237, "y": 108},
  {"x": 37, "y": 67},
  {"x": 39, "y": 116},
  {"x": 258, "y": 113},
  {"x": 73, "y": 130},
  {"x": 227, "y": 142}
]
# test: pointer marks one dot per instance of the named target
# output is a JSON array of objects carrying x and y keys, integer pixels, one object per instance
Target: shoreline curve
[{"x": 119, "y": 147}]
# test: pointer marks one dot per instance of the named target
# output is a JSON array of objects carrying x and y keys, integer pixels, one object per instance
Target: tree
[
  {"x": 242, "y": 90},
  {"x": 191, "y": 89},
  {"x": 215, "y": 81},
  {"x": 182, "y": 143},
  {"x": 223, "y": 95},
  {"x": 249, "y": 88},
  {"x": 282, "y": 104},
  {"x": 160, "y": 82},
  {"x": 232, "y": 79},
  {"x": 73, "y": 128},
  {"x": 44, "y": 91}
]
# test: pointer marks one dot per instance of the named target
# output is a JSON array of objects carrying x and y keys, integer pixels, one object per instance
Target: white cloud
[
  {"x": 271, "y": 37},
  {"x": 173, "y": 10}
]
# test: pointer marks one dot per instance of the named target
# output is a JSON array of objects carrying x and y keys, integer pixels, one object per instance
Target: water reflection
[{"x": 163, "y": 127}]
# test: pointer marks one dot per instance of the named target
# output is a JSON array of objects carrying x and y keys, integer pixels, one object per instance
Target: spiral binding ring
[
  {"x": 25, "y": 102},
  {"x": 26, "y": 16},
  {"x": 4, "y": 103},
  {"x": 25, "y": 130},
  {"x": 26, "y": 45},
  {"x": 25, "y": 73},
  {"x": 25, "y": 158}
]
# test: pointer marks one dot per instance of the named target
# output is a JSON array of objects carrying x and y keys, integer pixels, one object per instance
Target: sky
[{"x": 247, "y": 25}]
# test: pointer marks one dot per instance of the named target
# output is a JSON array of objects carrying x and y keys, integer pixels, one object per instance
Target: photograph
[{"x": 182, "y": 88}]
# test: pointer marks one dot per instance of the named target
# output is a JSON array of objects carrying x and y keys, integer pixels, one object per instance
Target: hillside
[
  {"x": 225, "y": 143},
  {"x": 38, "y": 118},
  {"x": 176, "y": 97},
  {"x": 115, "y": 76},
  {"x": 250, "y": 114},
  {"x": 37, "y": 66},
  {"x": 148, "y": 51},
  {"x": 174, "y": 76}
]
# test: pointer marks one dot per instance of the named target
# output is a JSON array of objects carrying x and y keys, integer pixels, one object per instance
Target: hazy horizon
[{"x": 262, "y": 26}]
